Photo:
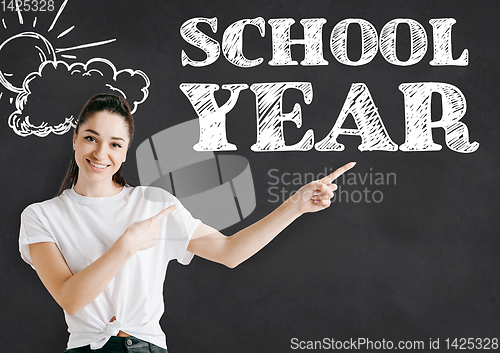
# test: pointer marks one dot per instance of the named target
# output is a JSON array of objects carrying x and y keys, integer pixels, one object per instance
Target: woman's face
[{"x": 100, "y": 146}]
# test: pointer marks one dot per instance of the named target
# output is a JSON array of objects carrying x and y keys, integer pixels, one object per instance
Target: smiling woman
[
  {"x": 100, "y": 151},
  {"x": 101, "y": 247},
  {"x": 108, "y": 128}
]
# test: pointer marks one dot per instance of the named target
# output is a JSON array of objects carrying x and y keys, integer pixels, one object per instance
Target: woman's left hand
[
  {"x": 316, "y": 195},
  {"x": 231, "y": 251}
]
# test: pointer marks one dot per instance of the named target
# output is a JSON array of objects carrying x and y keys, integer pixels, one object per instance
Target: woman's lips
[{"x": 97, "y": 169}]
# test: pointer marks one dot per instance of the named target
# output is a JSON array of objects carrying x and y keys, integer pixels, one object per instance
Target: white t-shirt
[{"x": 84, "y": 228}]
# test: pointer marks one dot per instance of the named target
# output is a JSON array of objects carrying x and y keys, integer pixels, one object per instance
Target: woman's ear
[{"x": 74, "y": 139}]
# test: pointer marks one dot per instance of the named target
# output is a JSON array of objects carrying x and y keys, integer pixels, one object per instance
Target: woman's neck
[{"x": 97, "y": 189}]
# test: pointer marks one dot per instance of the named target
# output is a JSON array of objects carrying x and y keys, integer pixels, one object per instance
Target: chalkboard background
[{"x": 423, "y": 263}]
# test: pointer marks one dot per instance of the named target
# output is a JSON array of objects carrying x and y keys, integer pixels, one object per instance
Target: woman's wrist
[
  {"x": 291, "y": 207},
  {"x": 125, "y": 246}
]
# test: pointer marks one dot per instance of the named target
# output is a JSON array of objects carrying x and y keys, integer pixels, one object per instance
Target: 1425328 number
[
  {"x": 27, "y": 5},
  {"x": 472, "y": 343}
]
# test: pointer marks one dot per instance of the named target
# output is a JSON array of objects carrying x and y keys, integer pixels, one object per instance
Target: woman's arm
[
  {"x": 231, "y": 251},
  {"x": 74, "y": 292}
]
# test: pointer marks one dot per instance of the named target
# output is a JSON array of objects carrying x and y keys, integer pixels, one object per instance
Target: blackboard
[{"x": 408, "y": 252}]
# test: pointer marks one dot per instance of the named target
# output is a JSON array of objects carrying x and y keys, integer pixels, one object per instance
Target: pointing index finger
[
  {"x": 329, "y": 178},
  {"x": 163, "y": 213}
]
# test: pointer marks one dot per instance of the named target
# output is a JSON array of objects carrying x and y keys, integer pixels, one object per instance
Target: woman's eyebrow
[{"x": 96, "y": 133}]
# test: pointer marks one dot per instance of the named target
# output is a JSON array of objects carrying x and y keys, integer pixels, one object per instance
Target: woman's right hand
[
  {"x": 75, "y": 291},
  {"x": 144, "y": 234}
]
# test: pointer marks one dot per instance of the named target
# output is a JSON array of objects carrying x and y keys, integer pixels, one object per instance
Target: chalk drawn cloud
[{"x": 97, "y": 75}]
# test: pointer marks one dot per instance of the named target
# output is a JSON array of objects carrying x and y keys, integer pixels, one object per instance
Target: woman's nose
[{"x": 100, "y": 153}]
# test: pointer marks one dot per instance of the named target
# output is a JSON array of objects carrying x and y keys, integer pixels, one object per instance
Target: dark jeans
[{"x": 117, "y": 344}]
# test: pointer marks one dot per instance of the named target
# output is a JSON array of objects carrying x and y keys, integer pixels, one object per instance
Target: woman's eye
[
  {"x": 90, "y": 138},
  {"x": 116, "y": 145}
]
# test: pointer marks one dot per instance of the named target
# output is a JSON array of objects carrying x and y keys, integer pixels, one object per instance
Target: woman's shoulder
[{"x": 44, "y": 206}]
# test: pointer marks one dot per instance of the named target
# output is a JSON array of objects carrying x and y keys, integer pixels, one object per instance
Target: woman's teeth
[{"x": 100, "y": 166}]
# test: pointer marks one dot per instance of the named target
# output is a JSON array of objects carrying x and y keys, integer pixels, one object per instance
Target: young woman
[{"x": 101, "y": 248}]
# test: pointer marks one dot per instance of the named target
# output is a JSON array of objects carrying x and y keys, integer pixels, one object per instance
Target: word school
[
  {"x": 359, "y": 102},
  {"x": 232, "y": 42}
]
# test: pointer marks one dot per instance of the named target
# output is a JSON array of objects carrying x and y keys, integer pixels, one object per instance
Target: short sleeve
[
  {"x": 180, "y": 226},
  {"x": 32, "y": 231}
]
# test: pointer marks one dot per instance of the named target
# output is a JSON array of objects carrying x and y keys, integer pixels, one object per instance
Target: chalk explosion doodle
[{"x": 27, "y": 80}]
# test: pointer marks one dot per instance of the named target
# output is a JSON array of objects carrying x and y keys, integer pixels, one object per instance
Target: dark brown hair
[{"x": 101, "y": 102}]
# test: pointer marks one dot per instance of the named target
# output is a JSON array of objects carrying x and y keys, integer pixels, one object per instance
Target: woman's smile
[{"x": 98, "y": 167}]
